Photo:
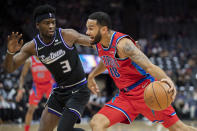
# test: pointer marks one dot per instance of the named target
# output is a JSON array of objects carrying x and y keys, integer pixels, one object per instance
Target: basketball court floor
[{"x": 135, "y": 126}]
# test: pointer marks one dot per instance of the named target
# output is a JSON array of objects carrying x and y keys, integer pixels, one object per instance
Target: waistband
[
  {"x": 137, "y": 83},
  {"x": 78, "y": 84}
]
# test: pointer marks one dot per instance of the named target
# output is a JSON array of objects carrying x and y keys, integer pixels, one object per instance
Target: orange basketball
[{"x": 156, "y": 96}]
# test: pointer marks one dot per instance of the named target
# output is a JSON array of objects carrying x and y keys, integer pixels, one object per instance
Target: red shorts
[
  {"x": 38, "y": 91},
  {"x": 126, "y": 106}
]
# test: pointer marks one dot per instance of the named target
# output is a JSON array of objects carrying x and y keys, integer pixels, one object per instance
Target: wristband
[{"x": 10, "y": 53}]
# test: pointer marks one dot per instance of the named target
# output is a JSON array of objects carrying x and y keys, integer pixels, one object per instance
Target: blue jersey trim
[
  {"x": 153, "y": 112},
  {"x": 82, "y": 83},
  {"x": 76, "y": 112},
  {"x": 34, "y": 89},
  {"x": 174, "y": 113},
  {"x": 148, "y": 76},
  {"x": 120, "y": 38},
  {"x": 117, "y": 108},
  {"x": 122, "y": 59},
  {"x": 65, "y": 44},
  {"x": 54, "y": 112},
  {"x": 136, "y": 84},
  {"x": 142, "y": 71}
]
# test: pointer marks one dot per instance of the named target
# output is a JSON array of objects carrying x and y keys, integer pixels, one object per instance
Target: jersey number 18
[{"x": 114, "y": 72}]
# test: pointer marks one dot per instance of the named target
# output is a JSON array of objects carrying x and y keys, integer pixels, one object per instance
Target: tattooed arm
[{"x": 126, "y": 48}]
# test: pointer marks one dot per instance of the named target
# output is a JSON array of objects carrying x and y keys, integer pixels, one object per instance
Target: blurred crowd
[{"x": 166, "y": 33}]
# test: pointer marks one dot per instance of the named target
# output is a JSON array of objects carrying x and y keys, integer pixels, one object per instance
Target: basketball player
[
  {"x": 131, "y": 71},
  {"x": 56, "y": 50},
  {"x": 42, "y": 85}
]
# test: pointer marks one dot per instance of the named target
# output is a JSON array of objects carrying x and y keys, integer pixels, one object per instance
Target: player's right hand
[
  {"x": 14, "y": 42},
  {"x": 93, "y": 86},
  {"x": 19, "y": 95},
  {"x": 172, "y": 87}
]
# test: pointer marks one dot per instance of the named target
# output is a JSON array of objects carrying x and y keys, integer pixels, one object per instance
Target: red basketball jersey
[
  {"x": 39, "y": 72},
  {"x": 124, "y": 72}
]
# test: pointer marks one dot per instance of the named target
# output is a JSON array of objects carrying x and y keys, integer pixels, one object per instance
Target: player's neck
[
  {"x": 45, "y": 39},
  {"x": 106, "y": 39}
]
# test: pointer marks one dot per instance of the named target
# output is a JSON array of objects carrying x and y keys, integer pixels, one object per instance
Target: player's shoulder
[
  {"x": 124, "y": 41},
  {"x": 70, "y": 36}
]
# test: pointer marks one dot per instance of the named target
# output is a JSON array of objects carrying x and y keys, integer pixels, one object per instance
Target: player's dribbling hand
[
  {"x": 172, "y": 87},
  {"x": 93, "y": 86},
  {"x": 14, "y": 42}
]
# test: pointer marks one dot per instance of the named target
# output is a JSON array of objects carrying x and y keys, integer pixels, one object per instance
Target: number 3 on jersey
[{"x": 65, "y": 66}]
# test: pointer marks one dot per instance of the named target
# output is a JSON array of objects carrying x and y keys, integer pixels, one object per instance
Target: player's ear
[
  {"x": 104, "y": 30},
  {"x": 37, "y": 26}
]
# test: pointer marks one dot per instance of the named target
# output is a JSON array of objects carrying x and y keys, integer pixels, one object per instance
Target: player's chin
[
  {"x": 51, "y": 32},
  {"x": 50, "y": 35}
]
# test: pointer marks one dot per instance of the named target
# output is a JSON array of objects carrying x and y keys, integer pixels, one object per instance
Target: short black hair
[
  {"x": 43, "y": 9},
  {"x": 102, "y": 18}
]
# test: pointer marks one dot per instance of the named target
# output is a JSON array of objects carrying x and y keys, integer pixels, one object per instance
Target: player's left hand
[
  {"x": 93, "y": 86},
  {"x": 19, "y": 95},
  {"x": 172, "y": 87}
]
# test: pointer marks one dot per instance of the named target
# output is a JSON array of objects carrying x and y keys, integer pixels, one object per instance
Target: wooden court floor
[{"x": 135, "y": 126}]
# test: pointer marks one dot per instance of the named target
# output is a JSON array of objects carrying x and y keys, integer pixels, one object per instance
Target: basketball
[{"x": 156, "y": 96}]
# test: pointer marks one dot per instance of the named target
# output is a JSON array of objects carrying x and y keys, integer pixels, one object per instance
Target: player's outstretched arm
[
  {"x": 83, "y": 40},
  {"x": 72, "y": 37},
  {"x": 13, "y": 60},
  {"x": 127, "y": 48}
]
